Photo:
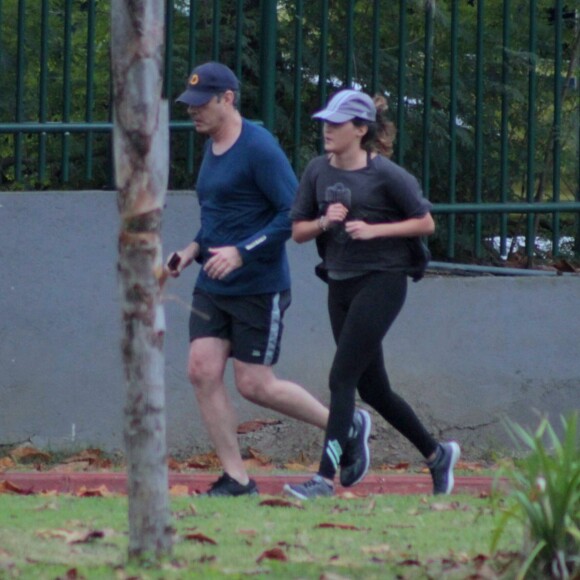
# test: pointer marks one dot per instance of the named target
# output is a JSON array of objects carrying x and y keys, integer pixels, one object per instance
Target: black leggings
[{"x": 361, "y": 311}]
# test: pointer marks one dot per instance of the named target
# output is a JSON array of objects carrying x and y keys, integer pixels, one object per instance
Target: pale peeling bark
[{"x": 141, "y": 143}]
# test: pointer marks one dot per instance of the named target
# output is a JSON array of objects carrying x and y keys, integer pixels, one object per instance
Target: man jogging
[{"x": 245, "y": 188}]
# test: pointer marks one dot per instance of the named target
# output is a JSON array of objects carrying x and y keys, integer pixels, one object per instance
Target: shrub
[{"x": 544, "y": 494}]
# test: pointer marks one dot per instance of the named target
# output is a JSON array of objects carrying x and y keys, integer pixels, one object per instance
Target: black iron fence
[{"x": 484, "y": 94}]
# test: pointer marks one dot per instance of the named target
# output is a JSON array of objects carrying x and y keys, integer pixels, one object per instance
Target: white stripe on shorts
[{"x": 275, "y": 321}]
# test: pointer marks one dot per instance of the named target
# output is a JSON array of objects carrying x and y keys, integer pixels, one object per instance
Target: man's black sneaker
[
  {"x": 356, "y": 458},
  {"x": 441, "y": 467},
  {"x": 227, "y": 486},
  {"x": 315, "y": 487}
]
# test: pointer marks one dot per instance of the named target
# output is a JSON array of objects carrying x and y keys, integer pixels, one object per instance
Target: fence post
[{"x": 268, "y": 63}]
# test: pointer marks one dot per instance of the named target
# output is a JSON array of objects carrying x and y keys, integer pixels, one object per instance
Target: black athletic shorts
[{"x": 252, "y": 324}]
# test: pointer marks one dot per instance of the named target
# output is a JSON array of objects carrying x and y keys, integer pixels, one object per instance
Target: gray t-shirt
[{"x": 381, "y": 192}]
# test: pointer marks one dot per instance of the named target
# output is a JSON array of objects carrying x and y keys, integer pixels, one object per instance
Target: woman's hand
[
  {"x": 335, "y": 213},
  {"x": 359, "y": 230}
]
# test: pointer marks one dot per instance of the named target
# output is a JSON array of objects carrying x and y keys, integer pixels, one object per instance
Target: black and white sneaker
[
  {"x": 315, "y": 487},
  {"x": 441, "y": 467},
  {"x": 227, "y": 486},
  {"x": 356, "y": 458}
]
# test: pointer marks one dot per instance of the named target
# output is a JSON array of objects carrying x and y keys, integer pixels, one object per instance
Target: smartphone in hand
[{"x": 174, "y": 261}]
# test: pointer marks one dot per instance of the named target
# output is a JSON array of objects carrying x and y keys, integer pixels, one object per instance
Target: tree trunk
[{"x": 141, "y": 147}]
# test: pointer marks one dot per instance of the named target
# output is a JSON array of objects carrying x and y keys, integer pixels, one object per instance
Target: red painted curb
[{"x": 267, "y": 484}]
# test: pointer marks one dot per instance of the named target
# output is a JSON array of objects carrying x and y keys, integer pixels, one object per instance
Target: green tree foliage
[
  {"x": 62, "y": 88},
  {"x": 198, "y": 34}
]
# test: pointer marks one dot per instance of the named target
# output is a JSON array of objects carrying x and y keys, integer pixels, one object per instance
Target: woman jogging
[{"x": 366, "y": 214}]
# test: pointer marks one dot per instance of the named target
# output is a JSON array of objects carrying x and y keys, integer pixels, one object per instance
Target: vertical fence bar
[
  {"x": 268, "y": 62},
  {"x": 427, "y": 95},
  {"x": 323, "y": 62},
  {"x": 577, "y": 236},
  {"x": 238, "y": 38},
  {"x": 402, "y": 72},
  {"x": 298, "y": 35},
  {"x": 1, "y": 60},
  {"x": 192, "y": 57},
  {"x": 110, "y": 155},
  {"x": 532, "y": 82},
  {"x": 577, "y": 132},
  {"x": 217, "y": 17},
  {"x": 18, "y": 141},
  {"x": 191, "y": 49},
  {"x": 557, "y": 131},
  {"x": 375, "y": 46},
  {"x": 349, "y": 59},
  {"x": 504, "y": 131},
  {"x": 479, "y": 125},
  {"x": 90, "y": 96},
  {"x": 169, "y": 36},
  {"x": 66, "y": 86},
  {"x": 43, "y": 89},
  {"x": 453, "y": 74}
]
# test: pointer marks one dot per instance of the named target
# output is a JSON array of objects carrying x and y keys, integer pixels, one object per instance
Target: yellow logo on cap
[{"x": 194, "y": 79}]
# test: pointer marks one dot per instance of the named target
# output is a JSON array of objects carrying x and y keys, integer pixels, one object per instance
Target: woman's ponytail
[
  {"x": 386, "y": 130},
  {"x": 381, "y": 134}
]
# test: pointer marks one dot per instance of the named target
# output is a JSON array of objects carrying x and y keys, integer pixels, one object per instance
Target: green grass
[{"x": 404, "y": 536}]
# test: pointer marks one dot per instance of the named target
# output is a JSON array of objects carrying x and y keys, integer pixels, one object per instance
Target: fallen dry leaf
[
  {"x": 294, "y": 466},
  {"x": 29, "y": 453},
  {"x": 101, "y": 491},
  {"x": 51, "y": 505},
  {"x": 339, "y": 509},
  {"x": 7, "y": 487},
  {"x": 203, "y": 461},
  {"x": 186, "y": 513},
  {"x": 255, "y": 464},
  {"x": 201, "y": 538},
  {"x": 446, "y": 507},
  {"x": 273, "y": 554},
  {"x": 562, "y": 265},
  {"x": 71, "y": 536},
  {"x": 340, "y": 527},
  {"x": 89, "y": 455},
  {"x": 174, "y": 465},
  {"x": 179, "y": 490},
  {"x": 255, "y": 454},
  {"x": 247, "y": 532},
  {"x": 71, "y": 574},
  {"x": 6, "y": 463},
  {"x": 409, "y": 562},
  {"x": 205, "y": 558},
  {"x": 378, "y": 549},
  {"x": 351, "y": 495},
  {"x": 371, "y": 507},
  {"x": 73, "y": 467},
  {"x": 89, "y": 537},
  {"x": 398, "y": 467},
  {"x": 256, "y": 425},
  {"x": 469, "y": 466},
  {"x": 276, "y": 502}
]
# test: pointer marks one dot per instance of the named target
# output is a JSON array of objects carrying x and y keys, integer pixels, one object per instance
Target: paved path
[{"x": 374, "y": 483}]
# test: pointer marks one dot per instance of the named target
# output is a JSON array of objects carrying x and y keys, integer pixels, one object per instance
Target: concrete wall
[{"x": 465, "y": 351}]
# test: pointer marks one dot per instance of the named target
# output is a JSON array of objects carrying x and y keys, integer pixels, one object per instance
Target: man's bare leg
[
  {"x": 259, "y": 384},
  {"x": 206, "y": 366}
]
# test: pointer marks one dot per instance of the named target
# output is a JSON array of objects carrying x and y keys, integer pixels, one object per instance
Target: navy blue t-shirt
[{"x": 245, "y": 195}]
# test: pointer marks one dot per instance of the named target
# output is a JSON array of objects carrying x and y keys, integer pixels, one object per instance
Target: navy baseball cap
[
  {"x": 347, "y": 105},
  {"x": 207, "y": 80}
]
